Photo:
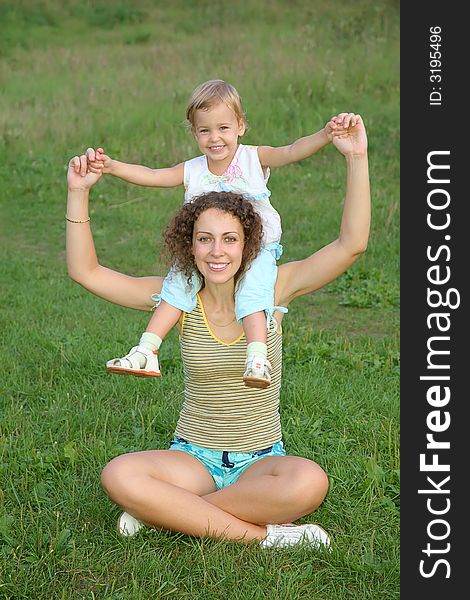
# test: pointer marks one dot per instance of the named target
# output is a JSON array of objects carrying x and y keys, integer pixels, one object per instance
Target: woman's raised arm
[
  {"x": 82, "y": 262},
  {"x": 305, "y": 276}
]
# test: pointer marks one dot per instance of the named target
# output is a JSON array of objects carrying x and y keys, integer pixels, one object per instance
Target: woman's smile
[
  {"x": 218, "y": 243},
  {"x": 217, "y": 266}
]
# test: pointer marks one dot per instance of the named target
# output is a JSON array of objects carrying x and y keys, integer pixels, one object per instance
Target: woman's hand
[
  {"x": 79, "y": 175},
  {"x": 323, "y": 266},
  {"x": 349, "y": 134}
]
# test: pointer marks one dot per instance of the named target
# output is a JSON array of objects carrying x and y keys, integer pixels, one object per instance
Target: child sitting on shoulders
[{"x": 217, "y": 119}]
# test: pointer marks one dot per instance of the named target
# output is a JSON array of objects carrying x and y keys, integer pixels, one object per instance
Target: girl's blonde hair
[{"x": 210, "y": 93}]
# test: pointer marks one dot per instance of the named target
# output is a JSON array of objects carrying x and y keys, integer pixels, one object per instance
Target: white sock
[
  {"x": 257, "y": 348},
  {"x": 151, "y": 341}
]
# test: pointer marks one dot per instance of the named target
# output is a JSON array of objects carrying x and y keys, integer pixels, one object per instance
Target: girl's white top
[{"x": 243, "y": 176}]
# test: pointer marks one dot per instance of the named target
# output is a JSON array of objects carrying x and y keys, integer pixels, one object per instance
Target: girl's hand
[
  {"x": 99, "y": 162},
  {"x": 79, "y": 174},
  {"x": 349, "y": 134}
]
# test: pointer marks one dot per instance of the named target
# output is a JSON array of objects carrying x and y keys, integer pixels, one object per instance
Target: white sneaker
[
  {"x": 257, "y": 371},
  {"x": 140, "y": 362},
  {"x": 128, "y": 525},
  {"x": 288, "y": 534}
]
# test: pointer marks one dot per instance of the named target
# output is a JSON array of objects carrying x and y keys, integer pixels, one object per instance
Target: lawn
[{"x": 118, "y": 75}]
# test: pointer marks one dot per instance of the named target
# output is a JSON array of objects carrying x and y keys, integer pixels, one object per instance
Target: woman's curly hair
[{"x": 178, "y": 235}]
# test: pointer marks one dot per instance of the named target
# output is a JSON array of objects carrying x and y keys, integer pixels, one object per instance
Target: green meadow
[{"x": 117, "y": 74}]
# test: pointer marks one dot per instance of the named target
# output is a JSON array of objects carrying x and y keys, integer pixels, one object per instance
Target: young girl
[{"x": 215, "y": 114}]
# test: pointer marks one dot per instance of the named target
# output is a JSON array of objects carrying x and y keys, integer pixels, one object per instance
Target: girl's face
[
  {"x": 217, "y": 130},
  {"x": 218, "y": 242}
]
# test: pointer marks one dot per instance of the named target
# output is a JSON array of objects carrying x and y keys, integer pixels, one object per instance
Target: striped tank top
[{"x": 219, "y": 411}]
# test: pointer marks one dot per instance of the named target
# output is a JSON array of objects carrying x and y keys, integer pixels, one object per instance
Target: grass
[{"x": 108, "y": 73}]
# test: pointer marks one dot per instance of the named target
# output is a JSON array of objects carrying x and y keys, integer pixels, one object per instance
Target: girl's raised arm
[
  {"x": 305, "y": 276},
  {"x": 82, "y": 262}
]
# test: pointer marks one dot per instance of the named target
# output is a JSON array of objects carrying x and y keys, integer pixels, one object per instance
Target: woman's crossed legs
[{"x": 172, "y": 490}]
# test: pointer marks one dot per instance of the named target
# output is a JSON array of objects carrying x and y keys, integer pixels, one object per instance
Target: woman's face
[{"x": 218, "y": 242}]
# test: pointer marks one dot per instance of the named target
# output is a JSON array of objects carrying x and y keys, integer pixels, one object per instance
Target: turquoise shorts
[{"x": 225, "y": 467}]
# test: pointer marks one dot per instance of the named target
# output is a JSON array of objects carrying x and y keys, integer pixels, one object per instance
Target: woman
[{"x": 226, "y": 473}]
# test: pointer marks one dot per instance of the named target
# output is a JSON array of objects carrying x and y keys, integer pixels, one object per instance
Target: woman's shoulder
[{"x": 286, "y": 287}]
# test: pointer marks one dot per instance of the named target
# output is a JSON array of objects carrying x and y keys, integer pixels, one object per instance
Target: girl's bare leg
[
  {"x": 257, "y": 369},
  {"x": 163, "y": 319},
  {"x": 142, "y": 360},
  {"x": 165, "y": 488},
  {"x": 254, "y": 326}
]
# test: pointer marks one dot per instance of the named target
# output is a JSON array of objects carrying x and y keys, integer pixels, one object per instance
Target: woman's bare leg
[
  {"x": 275, "y": 489},
  {"x": 165, "y": 488}
]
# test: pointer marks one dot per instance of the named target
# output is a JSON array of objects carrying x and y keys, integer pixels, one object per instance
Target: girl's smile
[{"x": 217, "y": 130}]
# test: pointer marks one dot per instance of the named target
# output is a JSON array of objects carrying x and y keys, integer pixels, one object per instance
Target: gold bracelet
[{"x": 72, "y": 221}]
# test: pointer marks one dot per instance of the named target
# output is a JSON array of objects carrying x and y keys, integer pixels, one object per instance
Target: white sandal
[
  {"x": 257, "y": 372},
  {"x": 130, "y": 364}
]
